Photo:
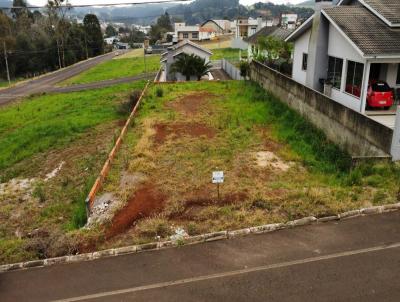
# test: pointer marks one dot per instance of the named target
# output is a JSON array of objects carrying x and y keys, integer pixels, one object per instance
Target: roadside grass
[
  {"x": 42, "y": 218},
  {"x": 51, "y": 121},
  {"x": 115, "y": 69},
  {"x": 5, "y": 84},
  {"x": 278, "y": 167}
]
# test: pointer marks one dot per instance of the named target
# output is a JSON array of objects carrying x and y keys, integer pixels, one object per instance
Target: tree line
[{"x": 37, "y": 42}]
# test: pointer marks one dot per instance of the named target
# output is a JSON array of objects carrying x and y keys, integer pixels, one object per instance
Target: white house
[
  {"x": 193, "y": 33},
  {"x": 169, "y": 57},
  {"x": 349, "y": 44},
  {"x": 111, "y": 40},
  {"x": 246, "y": 27}
]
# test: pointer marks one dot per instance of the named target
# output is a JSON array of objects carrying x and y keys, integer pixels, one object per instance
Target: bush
[
  {"x": 126, "y": 108},
  {"x": 244, "y": 69},
  {"x": 159, "y": 92}
]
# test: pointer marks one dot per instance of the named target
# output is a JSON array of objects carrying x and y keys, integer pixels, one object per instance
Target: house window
[
  {"x": 355, "y": 72},
  {"x": 335, "y": 67},
  {"x": 185, "y": 35},
  {"x": 304, "y": 62},
  {"x": 195, "y": 35},
  {"x": 398, "y": 75}
]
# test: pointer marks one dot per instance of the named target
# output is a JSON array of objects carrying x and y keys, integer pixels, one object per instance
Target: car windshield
[{"x": 381, "y": 87}]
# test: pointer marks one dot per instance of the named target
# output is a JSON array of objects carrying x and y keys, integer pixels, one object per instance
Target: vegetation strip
[
  {"x": 198, "y": 238},
  {"x": 103, "y": 174}
]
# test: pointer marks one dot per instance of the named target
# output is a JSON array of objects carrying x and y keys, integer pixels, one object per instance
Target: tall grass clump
[{"x": 317, "y": 152}]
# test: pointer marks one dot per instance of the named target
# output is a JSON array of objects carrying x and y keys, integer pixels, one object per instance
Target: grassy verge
[
  {"x": 115, "y": 69},
  {"x": 40, "y": 214},
  {"x": 226, "y": 53},
  {"x": 278, "y": 167},
  {"x": 51, "y": 121}
]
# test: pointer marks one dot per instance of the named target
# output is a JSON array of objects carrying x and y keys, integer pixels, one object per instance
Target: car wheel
[{"x": 386, "y": 107}]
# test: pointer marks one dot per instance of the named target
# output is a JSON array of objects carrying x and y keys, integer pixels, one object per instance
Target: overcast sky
[{"x": 245, "y": 2}]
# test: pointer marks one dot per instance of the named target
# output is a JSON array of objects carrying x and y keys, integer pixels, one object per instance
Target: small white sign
[{"x": 218, "y": 177}]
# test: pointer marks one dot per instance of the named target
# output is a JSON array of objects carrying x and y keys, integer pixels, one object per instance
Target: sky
[{"x": 244, "y": 2}]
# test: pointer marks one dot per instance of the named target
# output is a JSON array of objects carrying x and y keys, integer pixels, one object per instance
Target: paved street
[
  {"x": 351, "y": 260},
  {"x": 45, "y": 83}
]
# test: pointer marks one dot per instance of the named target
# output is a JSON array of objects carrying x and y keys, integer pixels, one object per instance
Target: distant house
[
  {"x": 274, "y": 31},
  {"x": 289, "y": 21},
  {"x": 111, "y": 40},
  {"x": 219, "y": 27},
  {"x": 194, "y": 33},
  {"x": 246, "y": 27},
  {"x": 347, "y": 46},
  {"x": 169, "y": 57}
]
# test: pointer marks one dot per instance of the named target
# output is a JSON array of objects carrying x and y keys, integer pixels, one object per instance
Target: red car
[{"x": 380, "y": 95}]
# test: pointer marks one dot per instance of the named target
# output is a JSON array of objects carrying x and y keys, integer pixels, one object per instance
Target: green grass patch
[
  {"x": 52, "y": 121},
  {"x": 115, "y": 69},
  {"x": 226, "y": 53}
]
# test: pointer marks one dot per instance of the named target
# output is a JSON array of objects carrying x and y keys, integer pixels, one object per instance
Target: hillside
[{"x": 202, "y": 10}]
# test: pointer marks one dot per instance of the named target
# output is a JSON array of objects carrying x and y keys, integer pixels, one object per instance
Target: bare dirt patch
[
  {"x": 163, "y": 131},
  {"x": 267, "y": 159},
  {"x": 147, "y": 201},
  {"x": 191, "y": 104}
]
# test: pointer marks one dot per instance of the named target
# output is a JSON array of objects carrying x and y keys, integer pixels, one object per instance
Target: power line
[{"x": 99, "y": 5}]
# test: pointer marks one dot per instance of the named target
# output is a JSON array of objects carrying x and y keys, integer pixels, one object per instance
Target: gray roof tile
[
  {"x": 367, "y": 31},
  {"x": 388, "y": 9}
]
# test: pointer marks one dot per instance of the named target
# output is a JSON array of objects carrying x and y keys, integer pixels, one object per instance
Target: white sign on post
[{"x": 218, "y": 177}]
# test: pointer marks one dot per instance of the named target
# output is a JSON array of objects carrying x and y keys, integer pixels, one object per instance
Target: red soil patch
[
  {"x": 192, "y": 103},
  {"x": 182, "y": 129},
  {"x": 146, "y": 202}
]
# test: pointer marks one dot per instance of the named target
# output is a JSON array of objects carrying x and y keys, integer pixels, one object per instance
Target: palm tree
[
  {"x": 184, "y": 65},
  {"x": 201, "y": 67},
  {"x": 191, "y": 65}
]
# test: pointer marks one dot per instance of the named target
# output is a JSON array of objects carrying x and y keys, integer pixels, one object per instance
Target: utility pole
[{"x": 5, "y": 58}]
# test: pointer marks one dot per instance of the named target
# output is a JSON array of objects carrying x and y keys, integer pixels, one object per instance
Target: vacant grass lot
[
  {"x": 226, "y": 53},
  {"x": 115, "y": 69},
  {"x": 52, "y": 148},
  {"x": 277, "y": 166}
]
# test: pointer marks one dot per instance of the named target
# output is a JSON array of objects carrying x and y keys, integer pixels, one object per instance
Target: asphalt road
[
  {"x": 101, "y": 84},
  {"x": 351, "y": 260},
  {"x": 45, "y": 83}
]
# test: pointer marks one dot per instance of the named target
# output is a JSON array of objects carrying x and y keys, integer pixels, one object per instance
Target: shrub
[
  {"x": 126, "y": 107},
  {"x": 159, "y": 92},
  {"x": 244, "y": 69}
]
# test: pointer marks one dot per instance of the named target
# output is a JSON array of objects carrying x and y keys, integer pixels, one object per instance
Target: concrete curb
[{"x": 221, "y": 235}]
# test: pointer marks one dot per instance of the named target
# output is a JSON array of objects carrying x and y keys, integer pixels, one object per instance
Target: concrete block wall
[{"x": 353, "y": 131}]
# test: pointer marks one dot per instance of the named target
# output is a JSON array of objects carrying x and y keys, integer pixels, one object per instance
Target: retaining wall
[{"x": 353, "y": 131}]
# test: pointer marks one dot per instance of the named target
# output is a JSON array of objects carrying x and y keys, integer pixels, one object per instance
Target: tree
[
  {"x": 271, "y": 47},
  {"x": 165, "y": 22},
  {"x": 110, "y": 31},
  {"x": 190, "y": 65},
  {"x": 201, "y": 68},
  {"x": 94, "y": 37}
]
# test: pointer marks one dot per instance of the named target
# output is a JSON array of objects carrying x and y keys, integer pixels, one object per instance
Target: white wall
[
  {"x": 300, "y": 47},
  {"x": 339, "y": 47}
]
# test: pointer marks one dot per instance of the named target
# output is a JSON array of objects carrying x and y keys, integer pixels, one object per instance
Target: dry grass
[{"x": 278, "y": 187}]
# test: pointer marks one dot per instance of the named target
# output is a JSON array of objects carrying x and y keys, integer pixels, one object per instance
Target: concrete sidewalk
[{"x": 351, "y": 260}]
